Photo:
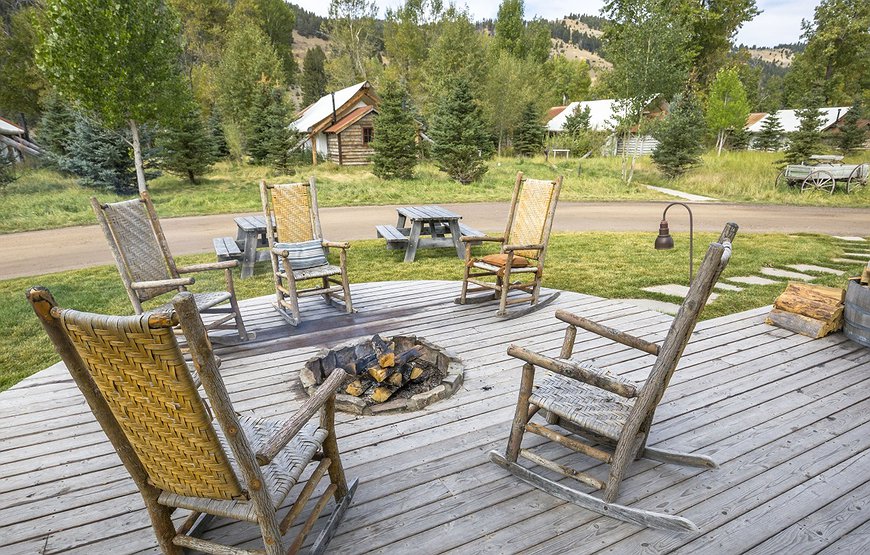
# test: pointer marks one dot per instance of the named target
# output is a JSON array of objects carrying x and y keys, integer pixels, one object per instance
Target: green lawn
[
  {"x": 613, "y": 265},
  {"x": 43, "y": 199}
]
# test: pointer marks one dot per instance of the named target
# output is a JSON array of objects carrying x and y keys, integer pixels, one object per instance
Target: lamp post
[{"x": 664, "y": 241}]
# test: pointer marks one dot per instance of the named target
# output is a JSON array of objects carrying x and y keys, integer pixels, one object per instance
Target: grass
[
  {"x": 613, "y": 265},
  {"x": 42, "y": 199}
]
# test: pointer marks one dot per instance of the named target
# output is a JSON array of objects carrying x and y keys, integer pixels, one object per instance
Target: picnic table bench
[
  {"x": 430, "y": 227},
  {"x": 250, "y": 236}
]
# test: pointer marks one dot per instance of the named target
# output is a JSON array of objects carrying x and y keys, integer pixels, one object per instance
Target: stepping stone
[
  {"x": 847, "y": 260},
  {"x": 864, "y": 255},
  {"x": 727, "y": 287},
  {"x": 814, "y": 268},
  {"x": 776, "y": 272},
  {"x": 657, "y": 306},
  {"x": 674, "y": 290},
  {"x": 753, "y": 280},
  {"x": 850, "y": 239}
]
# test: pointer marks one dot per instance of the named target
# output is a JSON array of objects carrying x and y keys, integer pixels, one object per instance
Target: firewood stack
[
  {"x": 811, "y": 310},
  {"x": 384, "y": 372}
]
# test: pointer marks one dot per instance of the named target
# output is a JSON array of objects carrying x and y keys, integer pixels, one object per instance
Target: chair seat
[
  {"x": 204, "y": 301},
  {"x": 280, "y": 475},
  {"x": 311, "y": 273},
  {"x": 500, "y": 260},
  {"x": 599, "y": 411}
]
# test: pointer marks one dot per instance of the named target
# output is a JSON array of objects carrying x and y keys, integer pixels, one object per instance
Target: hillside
[{"x": 779, "y": 56}]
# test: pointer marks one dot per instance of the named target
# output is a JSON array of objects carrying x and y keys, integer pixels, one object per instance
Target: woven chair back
[
  {"x": 133, "y": 234},
  {"x": 141, "y": 373},
  {"x": 532, "y": 215},
  {"x": 294, "y": 213}
]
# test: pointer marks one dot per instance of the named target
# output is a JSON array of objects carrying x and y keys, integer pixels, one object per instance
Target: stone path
[
  {"x": 857, "y": 250},
  {"x": 680, "y": 194}
]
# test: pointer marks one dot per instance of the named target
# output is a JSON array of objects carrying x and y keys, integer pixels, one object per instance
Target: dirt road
[{"x": 39, "y": 252}]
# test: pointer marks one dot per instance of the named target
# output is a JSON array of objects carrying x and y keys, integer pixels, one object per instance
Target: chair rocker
[
  {"x": 523, "y": 250},
  {"x": 298, "y": 250},
  {"x": 148, "y": 268},
  {"x": 185, "y": 451},
  {"x": 612, "y": 414}
]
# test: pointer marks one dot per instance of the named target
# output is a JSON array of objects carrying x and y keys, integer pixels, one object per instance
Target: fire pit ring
[{"x": 445, "y": 378}]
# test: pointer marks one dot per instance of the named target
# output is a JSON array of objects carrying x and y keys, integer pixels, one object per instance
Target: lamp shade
[{"x": 664, "y": 241}]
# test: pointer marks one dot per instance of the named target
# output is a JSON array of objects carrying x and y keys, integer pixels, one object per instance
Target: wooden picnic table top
[
  {"x": 428, "y": 213},
  {"x": 251, "y": 223},
  {"x": 786, "y": 417}
]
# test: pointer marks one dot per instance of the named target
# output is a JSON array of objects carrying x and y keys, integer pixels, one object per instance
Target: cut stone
[
  {"x": 814, "y": 268},
  {"x": 850, "y": 239},
  {"x": 752, "y": 280},
  {"x": 657, "y": 306},
  {"x": 728, "y": 287},
  {"x": 776, "y": 272},
  {"x": 847, "y": 260},
  {"x": 864, "y": 255},
  {"x": 674, "y": 290}
]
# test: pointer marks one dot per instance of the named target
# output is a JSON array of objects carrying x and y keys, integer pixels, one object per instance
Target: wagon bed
[{"x": 824, "y": 176}]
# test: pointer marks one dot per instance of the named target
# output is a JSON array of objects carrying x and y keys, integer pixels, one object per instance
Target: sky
[{"x": 779, "y": 22}]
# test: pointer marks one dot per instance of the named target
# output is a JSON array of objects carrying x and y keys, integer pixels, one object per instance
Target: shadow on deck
[{"x": 787, "y": 418}]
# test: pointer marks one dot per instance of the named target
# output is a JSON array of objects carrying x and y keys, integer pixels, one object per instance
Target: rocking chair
[
  {"x": 133, "y": 376},
  {"x": 298, "y": 250},
  {"x": 613, "y": 414},
  {"x": 148, "y": 269},
  {"x": 524, "y": 247}
]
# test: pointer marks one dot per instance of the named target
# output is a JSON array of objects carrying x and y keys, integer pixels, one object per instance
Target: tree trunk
[
  {"x": 720, "y": 142},
  {"x": 137, "y": 157}
]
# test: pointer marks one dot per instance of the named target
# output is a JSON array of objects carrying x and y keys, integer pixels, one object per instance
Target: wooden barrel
[{"x": 856, "y": 314}]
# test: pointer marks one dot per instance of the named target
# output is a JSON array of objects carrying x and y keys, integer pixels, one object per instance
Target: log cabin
[{"x": 340, "y": 125}]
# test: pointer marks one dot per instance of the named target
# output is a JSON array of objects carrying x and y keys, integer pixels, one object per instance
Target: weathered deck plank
[{"x": 786, "y": 417}]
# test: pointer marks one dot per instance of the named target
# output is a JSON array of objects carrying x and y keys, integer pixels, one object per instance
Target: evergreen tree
[
  {"x": 807, "y": 139},
  {"x": 529, "y": 137},
  {"x": 394, "y": 135},
  {"x": 852, "y": 135},
  {"x": 314, "y": 77},
  {"x": 271, "y": 139},
  {"x": 99, "y": 157},
  {"x": 218, "y": 137},
  {"x": 680, "y": 138},
  {"x": 188, "y": 147},
  {"x": 578, "y": 122},
  {"x": 770, "y": 136},
  {"x": 55, "y": 128},
  {"x": 739, "y": 139},
  {"x": 460, "y": 139}
]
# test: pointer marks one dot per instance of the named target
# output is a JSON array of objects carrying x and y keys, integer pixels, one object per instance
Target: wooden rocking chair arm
[
  {"x": 575, "y": 371},
  {"x": 208, "y": 266},
  {"x": 333, "y": 245},
  {"x": 174, "y": 282},
  {"x": 473, "y": 239},
  {"x": 292, "y": 426},
  {"x": 508, "y": 248},
  {"x": 608, "y": 332},
  {"x": 283, "y": 253}
]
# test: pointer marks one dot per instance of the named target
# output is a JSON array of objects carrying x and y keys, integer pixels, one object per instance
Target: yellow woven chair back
[
  {"x": 141, "y": 373},
  {"x": 137, "y": 244},
  {"x": 531, "y": 217},
  {"x": 294, "y": 214}
]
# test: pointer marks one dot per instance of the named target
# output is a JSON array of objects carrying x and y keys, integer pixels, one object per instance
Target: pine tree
[
  {"x": 99, "y": 157},
  {"x": 807, "y": 139},
  {"x": 271, "y": 139},
  {"x": 852, "y": 135},
  {"x": 188, "y": 148},
  {"x": 461, "y": 142},
  {"x": 680, "y": 138},
  {"x": 770, "y": 136},
  {"x": 218, "y": 138},
  {"x": 739, "y": 139},
  {"x": 529, "y": 137},
  {"x": 578, "y": 122},
  {"x": 394, "y": 135},
  {"x": 314, "y": 79},
  {"x": 55, "y": 128}
]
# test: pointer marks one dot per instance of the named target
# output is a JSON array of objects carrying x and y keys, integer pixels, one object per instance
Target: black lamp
[{"x": 664, "y": 241}]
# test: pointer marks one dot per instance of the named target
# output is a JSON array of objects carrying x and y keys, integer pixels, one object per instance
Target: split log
[
  {"x": 804, "y": 325},
  {"x": 382, "y": 393},
  {"x": 408, "y": 373},
  {"x": 811, "y": 310},
  {"x": 380, "y": 373},
  {"x": 385, "y": 352},
  {"x": 356, "y": 388}
]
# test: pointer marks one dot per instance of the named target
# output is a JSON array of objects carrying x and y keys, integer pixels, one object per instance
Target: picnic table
[
  {"x": 556, "y": 151},
  {"x": 250, "y": 236},
  {"x": 430, "y": 227}
]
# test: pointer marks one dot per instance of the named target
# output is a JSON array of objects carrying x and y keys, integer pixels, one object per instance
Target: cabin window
[{"x": 368, "y": 134}]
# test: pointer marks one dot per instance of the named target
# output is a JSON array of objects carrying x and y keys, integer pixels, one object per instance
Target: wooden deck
[{"x": 787, "y": 418}]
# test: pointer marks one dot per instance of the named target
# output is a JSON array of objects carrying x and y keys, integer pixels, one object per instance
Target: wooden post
[
  {"x": 42, "y": 302},
  {"x": 313, "y": 150}
]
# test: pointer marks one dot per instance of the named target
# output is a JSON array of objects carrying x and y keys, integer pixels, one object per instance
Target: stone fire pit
[{"x": 437, "y": 372}]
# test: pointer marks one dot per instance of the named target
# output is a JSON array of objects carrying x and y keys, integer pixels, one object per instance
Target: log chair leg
[
  {"x": 625, "y": 451},
  {"x": 345, "y": 283},
  {"x": 234, "y": 304},
  {"x": 505, "y": 286},
  {"x": 325, "y": 284},
  {"x": 464, "y": 293},
  {"x": 521, "y": 417},
  {"x": 330, "y": 449},
  {"x": 294, "y": 298}
]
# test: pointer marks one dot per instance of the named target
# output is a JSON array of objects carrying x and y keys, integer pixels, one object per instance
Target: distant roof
[
  {"x": 9, "y": 128},
  {"x": 754, "y": 117},
  {"x": 554, "y": 111},
  {"x": 352, "y": 117},
  {"x": 601, "y": 114},
  {"x": 321, "y": 109},
  {"x": 789, "y": 120}
]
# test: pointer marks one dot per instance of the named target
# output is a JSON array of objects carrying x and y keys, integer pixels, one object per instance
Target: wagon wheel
[
  {"x": 782, "y": 180},
  {"x": 819, "y": 180},
  {"x": 856, "y": 178}
]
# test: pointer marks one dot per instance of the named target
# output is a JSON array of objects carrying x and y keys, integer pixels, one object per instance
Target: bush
[{"x": 680, "y": 137}]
